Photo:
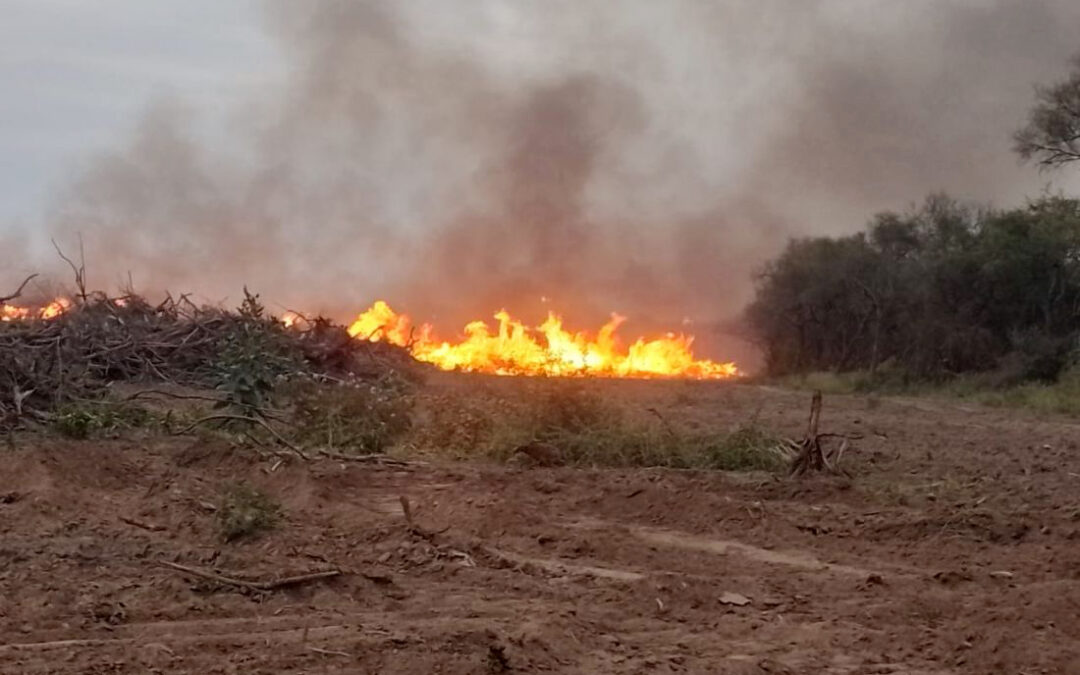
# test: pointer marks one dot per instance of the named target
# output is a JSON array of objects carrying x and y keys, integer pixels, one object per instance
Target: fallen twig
[
  {"x": 328, "y": 652},
  {"x": 145, "y": 526},
  {"x": 374, "y": 458},
  {"x": 157, "y": 392},
  {"x": 252, "y": 585}
]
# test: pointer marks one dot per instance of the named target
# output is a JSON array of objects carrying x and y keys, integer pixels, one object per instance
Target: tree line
[{"x": 943, "y": 289}]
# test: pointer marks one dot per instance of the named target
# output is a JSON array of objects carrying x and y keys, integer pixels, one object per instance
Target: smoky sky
[{"x": 641, "y": 157}]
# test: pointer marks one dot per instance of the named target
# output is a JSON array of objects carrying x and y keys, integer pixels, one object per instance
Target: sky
[
  {"x": 641, "y": 157},
  {"x": 74, "y": 77}
]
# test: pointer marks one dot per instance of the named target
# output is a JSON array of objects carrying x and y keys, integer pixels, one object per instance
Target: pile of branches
[{"x": 100, "y": 340}]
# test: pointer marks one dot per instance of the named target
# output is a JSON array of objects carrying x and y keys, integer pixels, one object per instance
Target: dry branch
[
  {"x": 79, "y": 271},
  {"x": 141, "y": 525},
  {"x": 373, "y": 458},
  {"x": 263, "y": 586},
  {"x": 18, "y": 291}
]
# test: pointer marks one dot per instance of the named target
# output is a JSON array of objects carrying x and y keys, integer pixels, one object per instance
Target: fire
[
  {"x": 290, "y": 319},
  {"x": 508, "y": 348},
  {"x": 514, "y": 349},
  {"x": 13, "y": 313},
  {"x": 49, "y": 311},
  {"x": 55, "y": 308}
]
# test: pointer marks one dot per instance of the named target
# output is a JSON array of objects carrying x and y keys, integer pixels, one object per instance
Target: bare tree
[{"x": 1051, "y": 136}]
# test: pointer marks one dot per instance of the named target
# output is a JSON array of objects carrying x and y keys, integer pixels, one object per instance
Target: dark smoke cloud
[{"x": 637, "y": 156}]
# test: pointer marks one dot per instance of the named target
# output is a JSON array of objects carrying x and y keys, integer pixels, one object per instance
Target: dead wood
[
  {"x": 75, "y": 357},
  {"x": 811, "y": 454},
  {"x": 18, "y": 291},
  {"x": 328, "y": 652},
  {"x": 168, "y": 394},
  {"x": 141, "y": 525},
  {"x": 79, "y": 271},
  {"x": 373, "y": 458},
  {"x": 264, "y": 586}
]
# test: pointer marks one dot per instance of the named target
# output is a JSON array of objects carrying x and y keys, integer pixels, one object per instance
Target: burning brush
[
  {"x": 514, "y": 349},
  {"x": 510, "y": 349}
]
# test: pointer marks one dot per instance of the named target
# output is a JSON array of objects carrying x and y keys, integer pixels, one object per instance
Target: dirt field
[{"x": 955, "y": 549}]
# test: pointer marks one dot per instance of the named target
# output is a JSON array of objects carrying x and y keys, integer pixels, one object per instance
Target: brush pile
[{"x": 75, "y": 357}]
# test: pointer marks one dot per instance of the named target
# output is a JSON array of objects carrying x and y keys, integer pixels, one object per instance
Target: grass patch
[
  {"x": 1061, "y": 397},
  {"x": 361, "y": 418},
  {"x": 636, "y": 445},
  {"x": 94, "y": 418},
  {"x": 887, "y": 380},
  {"x": 991, "y": 388},
  {"x": 590, "y": 430},
  {"x": 748, "y": 448},
  {"x": 245, "y": 511}
]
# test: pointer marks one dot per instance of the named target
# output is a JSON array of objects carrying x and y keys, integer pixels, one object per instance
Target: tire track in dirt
[{"x": 795, "y": 558}]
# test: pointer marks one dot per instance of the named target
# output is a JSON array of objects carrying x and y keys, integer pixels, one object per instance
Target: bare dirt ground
[{"x": 955, "y": 549}]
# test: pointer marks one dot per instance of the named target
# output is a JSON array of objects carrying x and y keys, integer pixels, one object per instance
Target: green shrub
[
  {"x": 748, "y": 448},
  {"x": 91, "y": 418},
  {"x": 245, "y": 511},
  {"x": 252, "y": 355}
]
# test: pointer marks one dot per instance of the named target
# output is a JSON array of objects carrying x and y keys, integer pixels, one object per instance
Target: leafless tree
[{"x": 1051, "y": 136}]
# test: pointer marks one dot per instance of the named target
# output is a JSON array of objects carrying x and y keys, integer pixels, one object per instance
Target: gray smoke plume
[{"x": 643, "y": 157}]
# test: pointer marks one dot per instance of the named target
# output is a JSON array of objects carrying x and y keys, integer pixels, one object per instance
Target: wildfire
[
  {"x": 514, "y": 349},
  {"x": 55, "y": 308},
  {"x": 507, "y": 348},
  {"x": 49, "y": 311}
]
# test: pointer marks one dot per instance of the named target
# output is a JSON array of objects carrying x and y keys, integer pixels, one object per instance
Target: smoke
[{"x": 637, "y": 156}]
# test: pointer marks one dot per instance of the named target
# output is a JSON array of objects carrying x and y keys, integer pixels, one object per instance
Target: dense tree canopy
[{"x": 944, "y": 289}]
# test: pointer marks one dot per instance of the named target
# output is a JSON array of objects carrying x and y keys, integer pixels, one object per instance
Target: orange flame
[
  {"x": 13, "y": 313},
  {"x": 55, "y": 308},
  {"x": 49, "y": 311},
  {"x": 290, "y": 319},
  {"x": 514, "y": 349}
]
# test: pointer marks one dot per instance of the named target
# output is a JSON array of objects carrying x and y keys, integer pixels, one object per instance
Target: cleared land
[{"x": 955, "y": 548}]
